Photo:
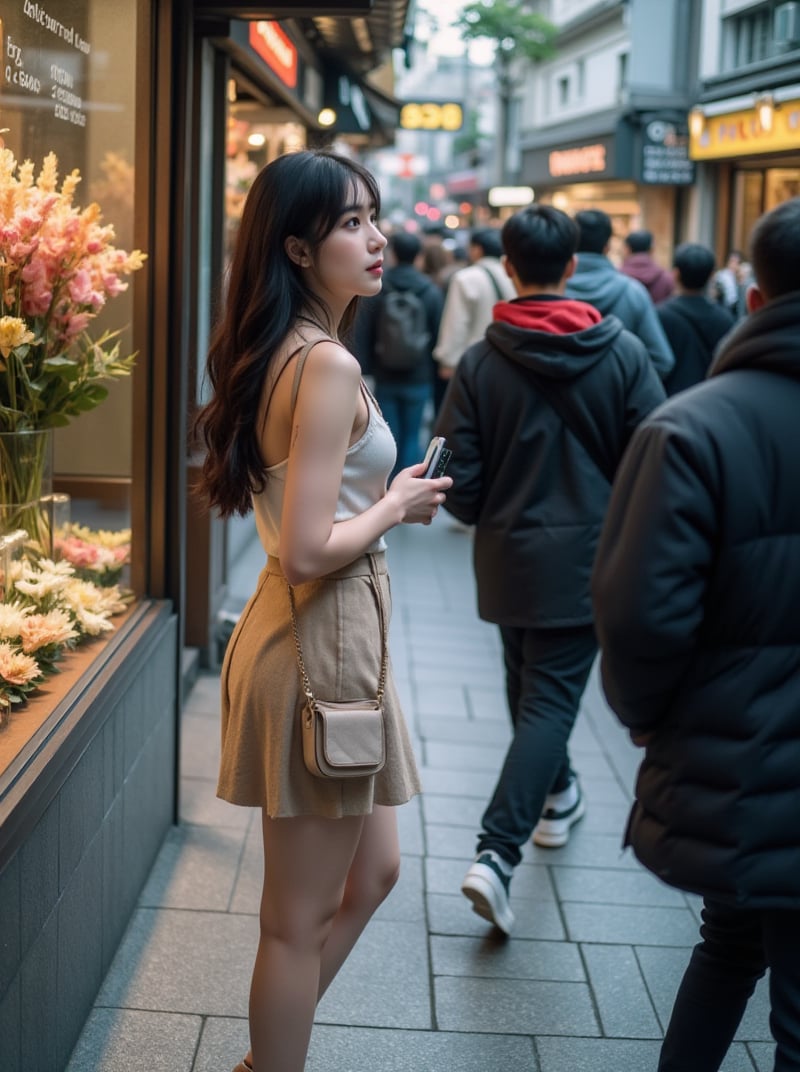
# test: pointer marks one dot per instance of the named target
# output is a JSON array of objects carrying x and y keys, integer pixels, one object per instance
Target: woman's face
[{"x": 349, "y": 261}]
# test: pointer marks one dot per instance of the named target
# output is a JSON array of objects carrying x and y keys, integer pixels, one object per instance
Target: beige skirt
[{"x": 262, "y": 698}]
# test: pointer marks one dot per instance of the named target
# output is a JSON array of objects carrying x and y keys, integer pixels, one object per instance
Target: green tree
[{"x": 518, "y": 34}]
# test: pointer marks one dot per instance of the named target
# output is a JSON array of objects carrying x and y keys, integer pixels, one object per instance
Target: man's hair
[
  {"x": 639, "y": 241},
  {"x": 539, "y": 241},
  {"x": 594, "y": 230},
  {"x": 775, "y": 250},
  {"x": 488, "y": 238},
  {"x": 405, "y": 246},
  {"x": 694, "y": 264}
]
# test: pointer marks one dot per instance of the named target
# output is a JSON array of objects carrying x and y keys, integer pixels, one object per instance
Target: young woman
[{"x": 293, "y": 433}]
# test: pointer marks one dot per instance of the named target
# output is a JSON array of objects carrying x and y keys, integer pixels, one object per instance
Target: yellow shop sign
[{"x": 741, "y": 133}]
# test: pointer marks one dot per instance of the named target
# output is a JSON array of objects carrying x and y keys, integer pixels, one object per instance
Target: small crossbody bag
[{"x": 343, "y": 738}]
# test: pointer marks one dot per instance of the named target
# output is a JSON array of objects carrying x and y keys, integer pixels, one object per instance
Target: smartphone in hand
[{"x": 436, "y": 458}]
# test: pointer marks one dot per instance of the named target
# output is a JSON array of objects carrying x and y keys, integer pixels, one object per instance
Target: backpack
[{"x": 402, "y": 339}]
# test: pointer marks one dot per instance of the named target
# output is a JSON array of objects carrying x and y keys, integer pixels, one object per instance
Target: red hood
[{"x": 558, "y": 316}]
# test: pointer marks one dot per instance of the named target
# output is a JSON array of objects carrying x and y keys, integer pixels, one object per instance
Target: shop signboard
[
  {"x": 742, "y": 133},
  {"x": 570, "y": 162},
  {"x": 49, "y": 61},
  {"x": 665, "y": 156}
]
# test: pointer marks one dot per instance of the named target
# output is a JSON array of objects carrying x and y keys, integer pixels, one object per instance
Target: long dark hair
[{"x": 301, "y": 194}]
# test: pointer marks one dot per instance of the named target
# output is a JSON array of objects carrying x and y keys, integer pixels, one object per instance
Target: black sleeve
[{"x": 458, "y": 421}]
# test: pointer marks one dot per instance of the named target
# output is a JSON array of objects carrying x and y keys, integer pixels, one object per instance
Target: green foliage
[{"x": 518, "y": 33}]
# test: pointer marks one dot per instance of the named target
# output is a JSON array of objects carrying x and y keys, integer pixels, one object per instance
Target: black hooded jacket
[
  {"x": 529, "y": 483},
  {"x": 694, "y": 326},
  {"x": 697, "y": 598}
]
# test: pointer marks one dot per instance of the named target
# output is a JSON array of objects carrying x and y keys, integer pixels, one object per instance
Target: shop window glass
[
  {"x": 67, "y": 86},
  {"x": 748, "y": 38},
  {"x": 747, "y": 206}
]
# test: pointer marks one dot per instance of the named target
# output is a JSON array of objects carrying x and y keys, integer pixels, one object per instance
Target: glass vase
[{"x": 26, "y": 466}]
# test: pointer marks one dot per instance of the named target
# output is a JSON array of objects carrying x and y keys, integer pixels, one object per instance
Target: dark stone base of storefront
[{"x": 80, "y": 831}]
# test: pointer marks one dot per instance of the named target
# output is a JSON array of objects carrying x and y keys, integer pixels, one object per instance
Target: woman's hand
[{"x": 418, "y": 499}]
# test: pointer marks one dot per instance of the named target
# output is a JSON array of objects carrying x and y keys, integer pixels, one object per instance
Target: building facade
[{"x": 603, "y": 123}]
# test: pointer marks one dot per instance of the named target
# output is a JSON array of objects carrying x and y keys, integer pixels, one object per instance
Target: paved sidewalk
[{"x": 584, "y": 985}]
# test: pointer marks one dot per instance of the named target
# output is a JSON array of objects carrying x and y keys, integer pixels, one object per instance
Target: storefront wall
[
  {"x": 605, "y": 173},
  {"x": 88, "y": 765},
  {"x": 747, "y": 167}
]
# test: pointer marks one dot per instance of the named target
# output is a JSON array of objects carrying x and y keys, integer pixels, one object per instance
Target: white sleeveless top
[{"x": 367, "y": 465}]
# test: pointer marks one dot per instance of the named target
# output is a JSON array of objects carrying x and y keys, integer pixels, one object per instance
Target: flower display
[
  {"x": 97, "y": 556},
  {"x": 58, "y": 268},
  {"x": 48, "y": 610}
]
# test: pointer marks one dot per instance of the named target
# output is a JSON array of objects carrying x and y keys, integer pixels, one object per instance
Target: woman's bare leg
[
  {"x": 306, "y": 862},
  {"x": 373, "y": 873},
  {"x": 371, "y": 876}
]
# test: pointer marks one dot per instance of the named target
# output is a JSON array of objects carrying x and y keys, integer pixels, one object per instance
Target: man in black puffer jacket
[
  {"x": 537, "y": 417},
  {"x": 697, "y": 601}
]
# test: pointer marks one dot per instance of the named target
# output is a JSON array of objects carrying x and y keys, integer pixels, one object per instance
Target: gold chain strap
[{"x": 375, "y": 578}]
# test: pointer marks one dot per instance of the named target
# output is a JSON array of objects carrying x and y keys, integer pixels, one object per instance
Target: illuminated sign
[
  {"x": 431, "y": 115},
  {"x": 741, "y": 133},
  {"x": 276, "y": 50},
  {"x": 586, "y": 160}
]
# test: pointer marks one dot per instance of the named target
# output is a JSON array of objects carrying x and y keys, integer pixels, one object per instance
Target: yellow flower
[
  {"x": 13, "y": 333},
  {"x": 16, "y": 668}
]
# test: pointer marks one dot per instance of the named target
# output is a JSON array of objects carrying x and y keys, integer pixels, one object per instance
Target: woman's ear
[
  {"x": 297, "y": 251},
  {"x": 754, "y": 298}
]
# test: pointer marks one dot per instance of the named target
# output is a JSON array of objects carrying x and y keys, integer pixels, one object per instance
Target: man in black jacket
[
  {"x": 696, "y": 591},
  {"x": 538, "y": 415},
  {"x": 692, "y": 322}
]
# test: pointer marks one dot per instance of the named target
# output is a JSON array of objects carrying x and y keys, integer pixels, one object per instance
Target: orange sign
[
  {"x": 741, "y": 133},
  {"x": 276, "y": 50},
  {"x": 582, "y": 161}
]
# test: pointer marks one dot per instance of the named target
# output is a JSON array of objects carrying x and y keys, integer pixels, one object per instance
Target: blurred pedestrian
[
  {"x": 725, "y": 287},
  {"x": 696, "y": 590},
  {"x": 292, "y": 433},
  {"x": 399, "y": 331},
  {"x": 639, "y": 264},
  {"x": 598, "y": 282},
  {"x": 537, "y": 415},
  {"x": 692, "y": 322},
  {"x": 472, "y": 293}
]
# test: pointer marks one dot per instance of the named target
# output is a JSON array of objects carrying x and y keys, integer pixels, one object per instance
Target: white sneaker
[
  {"x": 561, "y": 812},
  {"x": 486, "y": 886}
]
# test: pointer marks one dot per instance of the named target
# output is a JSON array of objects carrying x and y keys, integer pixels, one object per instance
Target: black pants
[
  {"x": 736, "y": 950},
  {"x": 546, "y": 673}
]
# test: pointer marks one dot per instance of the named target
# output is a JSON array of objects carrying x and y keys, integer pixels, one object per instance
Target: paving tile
[
  {"x": 479, "y": 784},
  {"x": 441, "y": 699},
  {"x": 195, "y": 869},
  {"x": 453, "y": 811},
  {"x": 586, "y": 848},
  {"x": 454, "y": 841},
  {"x": 465, "y": 730},
  {"x": 604, "y": 790},
  {"x": 492, "y": 956},
  {"x": 620, "y": 993},
  {"x": 453, "y": 915},
  {"x": 409, "y": 827},
  {"x": 465, "y": 757},
  {"x": 487, "y": 702},
  {"x": 385, "y": 981},
  {"x": 204, "y": 697},
  {"x": 124, "y": 1040},
  {"x": 200, "y": 748},
  {"x": 629, "y": 924},
  {"x": 762, "y": 1055},
  {"x": 594, "y": 884},
  {"x": 190, "y": 962},
  {"x": 595, "y": 1055},
  {"x": 514, "y": 1006},
  {"x": 200, "y": 806}
]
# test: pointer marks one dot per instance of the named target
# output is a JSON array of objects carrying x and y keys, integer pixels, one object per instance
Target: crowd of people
[{"x": 624, "y": 454}]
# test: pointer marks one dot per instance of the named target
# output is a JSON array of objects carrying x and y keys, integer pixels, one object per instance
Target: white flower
[
  {"x": 50, "y": 578},
  {"x": 12, "y": 616}
]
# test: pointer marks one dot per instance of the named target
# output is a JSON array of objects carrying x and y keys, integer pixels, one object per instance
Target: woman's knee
[{"x": 367, "y": 887}]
